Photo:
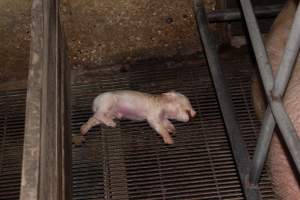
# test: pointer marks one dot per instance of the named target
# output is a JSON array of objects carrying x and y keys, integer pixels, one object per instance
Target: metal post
[
  {"x": 286, "y": 127},
  {"x": 238, "y": 146},
  {"x": 46, "y": 170},
  {"x": 235, "y": 14}
]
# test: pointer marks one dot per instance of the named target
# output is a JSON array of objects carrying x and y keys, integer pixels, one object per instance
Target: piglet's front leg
[
  {"x": 169, "y": 126},
  {"x": 161, "y": 129}
]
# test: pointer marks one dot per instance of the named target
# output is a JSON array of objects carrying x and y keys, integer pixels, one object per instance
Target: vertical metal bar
[
  {"x": 238, "y": 146},
  {"x": 284, "y": 123},
  {"x": 46, "y": 157},
  {"x": 258, "y": 46},
  {"x": 263, "y": 143},
  {"x": 289, "y": 57}
]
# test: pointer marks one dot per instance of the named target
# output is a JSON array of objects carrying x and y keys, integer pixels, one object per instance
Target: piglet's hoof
[
  {"x": 111, "y": 124},
  {"x": 168, "y": 140},
  {"x": 78, "y": 140},
  {"x": 84, "y": 129}
]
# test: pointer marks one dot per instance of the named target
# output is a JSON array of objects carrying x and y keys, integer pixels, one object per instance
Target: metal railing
[
  {"x": 250, "y": 170},
  {"x": 46, "y": 171}
]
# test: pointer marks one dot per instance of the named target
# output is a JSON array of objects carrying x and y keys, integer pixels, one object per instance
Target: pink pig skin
[{"x": 138, "y": 106}]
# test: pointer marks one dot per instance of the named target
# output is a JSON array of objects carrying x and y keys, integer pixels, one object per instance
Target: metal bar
[
  {"x": 289, "y": 57},
  {"x": 262, "y": 146},
  {"x": 286, "y": 127},
  {"x": 258, "y": 46},
  {"x": 281, "y": 81},
  {"x": 46, "y": 156},
  {"x": 238, "y": 146},
  {"x": 235, "y": 14}
]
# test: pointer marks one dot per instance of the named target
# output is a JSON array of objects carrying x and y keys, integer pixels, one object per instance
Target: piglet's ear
[
  {"x": 169, "y": 96},
  {"x": 171, "y": 93}
]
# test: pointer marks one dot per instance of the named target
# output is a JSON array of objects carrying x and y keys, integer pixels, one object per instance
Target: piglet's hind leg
[
  {"x": 88, "y": 125},
  {"x": 106, "y": 119},
  {"x": 158, "y": 127}
]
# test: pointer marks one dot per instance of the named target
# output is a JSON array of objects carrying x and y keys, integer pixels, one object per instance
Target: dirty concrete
[
  {"x": 119, "y": 31},
  {"x": 101, "y": 33},
  {"x": 14, "y": 43}
]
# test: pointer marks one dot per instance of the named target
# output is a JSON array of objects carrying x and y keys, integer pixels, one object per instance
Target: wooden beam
[{"x": 46, "y": 172}]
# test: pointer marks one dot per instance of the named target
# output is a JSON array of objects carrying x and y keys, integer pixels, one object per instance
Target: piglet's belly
[{"x": 125, "y": 112}]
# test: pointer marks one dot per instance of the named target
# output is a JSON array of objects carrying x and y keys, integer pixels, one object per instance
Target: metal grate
[
  {"x": 131, "y": 162},
  {"x": 12, "y": 118}
]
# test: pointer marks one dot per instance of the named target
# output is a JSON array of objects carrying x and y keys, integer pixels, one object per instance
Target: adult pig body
[{"x": 284, "y": 177}]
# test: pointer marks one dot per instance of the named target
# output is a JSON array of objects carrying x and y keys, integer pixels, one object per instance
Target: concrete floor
[
  {"x": 14, "y": 43},
  {"x": 99, "y": 33}
]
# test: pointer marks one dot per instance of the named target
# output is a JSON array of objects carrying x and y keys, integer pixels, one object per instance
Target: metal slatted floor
[
  {"x": 12, "y": 118},
  {"x": 130, "y": 161}
]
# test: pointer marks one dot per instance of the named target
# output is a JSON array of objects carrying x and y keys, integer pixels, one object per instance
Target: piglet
[{"x": 138, "y": 106}]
